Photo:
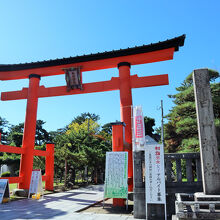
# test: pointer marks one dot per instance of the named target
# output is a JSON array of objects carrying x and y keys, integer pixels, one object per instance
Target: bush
[{"x": 6, "y": 174}]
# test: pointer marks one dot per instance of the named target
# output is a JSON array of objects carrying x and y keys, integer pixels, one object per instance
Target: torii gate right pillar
[{"x": 126, "y": 106}]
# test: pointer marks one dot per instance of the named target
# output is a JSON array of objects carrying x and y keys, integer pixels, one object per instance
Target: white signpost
[
  {"x": 36, "y": 183},
  {"x": 4, "y": 189},
  {"x": 154, "y": 175},
  {"x": 116, "y": 175}
]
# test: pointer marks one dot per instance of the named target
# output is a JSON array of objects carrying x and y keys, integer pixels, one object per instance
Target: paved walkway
[{"x": 58, "y": 206}]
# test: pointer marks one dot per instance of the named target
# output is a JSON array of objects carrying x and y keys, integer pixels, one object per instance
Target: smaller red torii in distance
[{"x": 122, "y": 59}]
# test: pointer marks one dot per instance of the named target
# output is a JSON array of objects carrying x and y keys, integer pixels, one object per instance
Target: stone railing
[{"x": 183, "y": 172}]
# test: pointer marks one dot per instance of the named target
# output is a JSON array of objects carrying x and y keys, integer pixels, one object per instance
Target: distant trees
[
  {"x": 149, "y": 124},
  {"x": 14, "y": 137},
  {"x": 181, "y": 134},
  {"x": 16, "y": 134},
  {"x": 86, "y": 115},
  {"x": 82, "y": 144},
  {"x": 80, "y": 147},
  {"x": 3, "y": 126}
]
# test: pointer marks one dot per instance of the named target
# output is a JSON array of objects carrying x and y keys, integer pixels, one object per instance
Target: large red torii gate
[{"x": 122, "y": 59}]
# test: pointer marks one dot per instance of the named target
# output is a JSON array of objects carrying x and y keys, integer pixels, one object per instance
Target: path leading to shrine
[{"x": 58, "y": 206}]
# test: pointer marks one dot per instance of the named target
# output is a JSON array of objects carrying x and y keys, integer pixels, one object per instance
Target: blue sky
[{"x": 49, "y": 29}]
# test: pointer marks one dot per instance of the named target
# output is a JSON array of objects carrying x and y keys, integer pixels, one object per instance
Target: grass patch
[{"x": 185, "y": 180}]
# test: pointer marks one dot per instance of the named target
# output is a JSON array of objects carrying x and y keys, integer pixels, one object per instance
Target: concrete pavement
[{"x": 60, "y": 206}]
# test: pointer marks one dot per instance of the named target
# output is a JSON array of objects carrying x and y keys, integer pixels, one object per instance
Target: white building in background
[
  {"x": 149, "y": 140},
  {"x": 4, "y": 168}
]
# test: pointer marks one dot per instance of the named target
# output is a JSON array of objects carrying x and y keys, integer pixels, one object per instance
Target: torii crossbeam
[{"x": 122, "y": 59}]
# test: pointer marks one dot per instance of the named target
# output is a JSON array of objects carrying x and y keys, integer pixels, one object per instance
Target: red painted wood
[
  {"x": 13, "y": 179},
  {"x": 149, "y": 57},
  {"x": 126, "y": 107},
  {"x": 28, "y": 142},
  {"x": 49, "y": 166},
  {"x": 40, "y": 153},
  {"x": 119, "y": 202},
  {"x": 11, "y": 149},
  {"x": 113, "y": 84},
  {"x": 117, "y": 137},
  {"x": 149, "y": 81},
  {"x": 44, "y": 178}
]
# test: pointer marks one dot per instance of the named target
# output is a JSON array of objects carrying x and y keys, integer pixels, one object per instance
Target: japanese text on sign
[
  {"x": 36, "y": 183},
  {"x": 154, "y": 174},
  {"x": 116, "y": 175}
]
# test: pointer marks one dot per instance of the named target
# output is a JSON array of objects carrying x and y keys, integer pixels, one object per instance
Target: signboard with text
[
  {"x": 116, "y": 175},
  {"x": 4, "y": 189},
  {"x": 36, "y": 183},
  {"x": 154, "y": 174}
]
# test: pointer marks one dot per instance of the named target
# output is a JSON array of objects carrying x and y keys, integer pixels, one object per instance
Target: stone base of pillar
[{"x": 200, "y": 196}]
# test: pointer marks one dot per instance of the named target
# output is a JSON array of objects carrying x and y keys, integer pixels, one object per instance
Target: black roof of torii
[{"x": 170, "y": 43}]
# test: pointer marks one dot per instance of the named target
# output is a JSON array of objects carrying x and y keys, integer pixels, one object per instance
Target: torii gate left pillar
[{"x": 29, "y": 132}]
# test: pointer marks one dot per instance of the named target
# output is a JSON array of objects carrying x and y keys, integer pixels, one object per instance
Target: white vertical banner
[
  {"x": 138, "y": 129},
  {"x": 154, "y": 174}
]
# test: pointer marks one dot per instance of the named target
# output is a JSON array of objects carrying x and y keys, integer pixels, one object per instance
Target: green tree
[
  {"x": 149, "y": 123},
  {"x": 81, "y": 118},
  {"x": 107, "y": 128},
  {"x": 16, "y": 134},
  {"x": 77, "y": 147},
  {"x": 42, "y": 136},
  {"x": 181, "y": 134},
  {"x": 3, "y": 129}
]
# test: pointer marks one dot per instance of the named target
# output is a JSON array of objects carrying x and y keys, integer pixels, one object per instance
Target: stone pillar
[
  {"x": 207, "y": 136},
  {"x": 139, "y": 187}
]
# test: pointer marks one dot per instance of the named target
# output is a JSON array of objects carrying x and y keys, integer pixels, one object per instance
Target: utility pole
[{"x": 162, "y": 130}]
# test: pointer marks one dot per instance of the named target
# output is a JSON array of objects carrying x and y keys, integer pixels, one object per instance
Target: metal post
[{"x": 162, "y": 129}]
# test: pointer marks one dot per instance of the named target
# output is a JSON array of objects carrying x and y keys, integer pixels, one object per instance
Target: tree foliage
[
  {"x": 78, "y": 147},
  {"x": 16, "y": 134},
  {"x": 181, "y": 133},
  {"x": 81, "y": 118},
  {"x": 149, "y": 123},
  {"x": 82, "y": 143},
  {"x": 3, "y": 129}
]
